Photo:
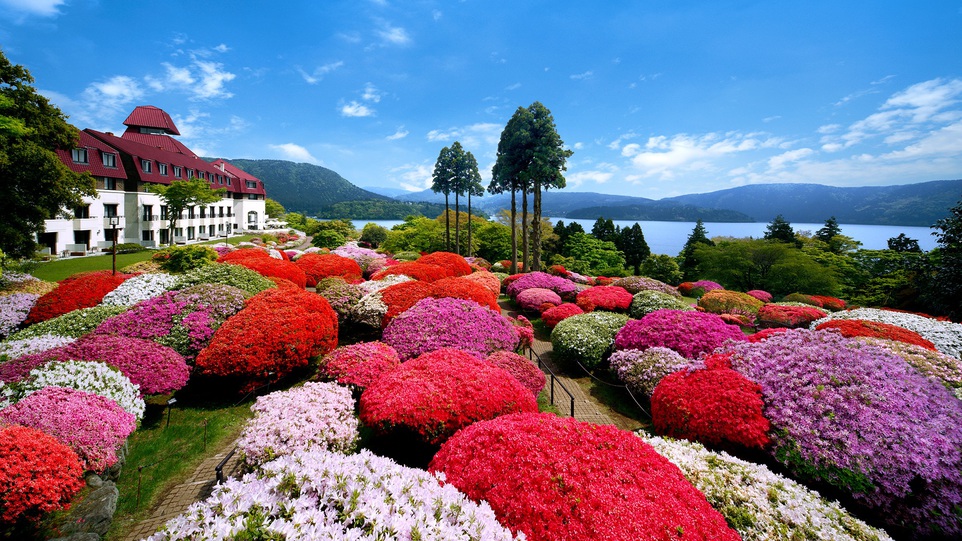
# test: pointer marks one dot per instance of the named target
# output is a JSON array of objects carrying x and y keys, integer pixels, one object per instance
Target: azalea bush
[
  {"x": 522, "y": 369},
  {"x": 488, "y": 280},
  {"x": 859, "y": 327},
  {"x": 364, "y": 257},
  {"x": 314, "y": 416},
  {"x": 946, "y": 336},
  {"x": 416, "y": 270},
  {"x": 641, "y": 370},
  {"x": 38, "y": 474},
  {"x": 437, "y": 323},
  {"x": 269, "y": 267},
  {"x": 648, "y": 301},
  {"x": 761, "y": 295},
  {"x": 454, "y": 264},
  {"x": 72, "y": 324},
  {"x": 439, "y": 393},
  {"x": 723, "y": 301},
  {"x": 946, "y": 369},
  {"x": 320, "y": 266},
  {"x": 564, "y": 288},
  {"x": 637, "y": 284},
  {"x": 14, "y": 350},
  {"x": 858, "y": 417},
  {"x": 804, "y": 299},
  {"x": 759, "y": 504},
  {"x": 370, "y": 310},
  {"x": 91, "y": 425},
  {"x": 793, "y": 317},
  {"x": 324, "y": 495},
  {"x": 342, "y": 296},
  {"x": 533, "y": 299},
  {"x": 359, "y": 365},
  {"x": 714, "y": 406},
  {"x": 83, "y": 290},
  {"x": 691, "y": 334},
  {"x": 829, "y": 303},
  {"x": 552, "y": 316},
  {"x": 586, "y": 338},
  {"x": 180, "y": 259},
  {"x": 139, "y": 288},
  {"x": 89, "y": 376},
  {"x": 227, "y": 274},
  {"x": 576, "y": 478},
  {"x": 610, "y": 298},
  {"x": 277, "y": 332},
  {"x": 699, "y": 288},
  {"x": 462, "y": 288},
  {"x": 14, "y": 309}
]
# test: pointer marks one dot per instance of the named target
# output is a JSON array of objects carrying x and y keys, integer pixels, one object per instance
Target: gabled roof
[
  {"x": 164, "y": 142},
  {"x": 243, "y": 177},
  {"x": 95, "y": 151},
  {"x": 148, "y": 116}
]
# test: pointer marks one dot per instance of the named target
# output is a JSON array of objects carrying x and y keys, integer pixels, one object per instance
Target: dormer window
[
  {"x": 109, "y": 159},
  {"x": 145, "y": 166},
  {"x": 252, "y": 184},
  {"x": 79, "y": 155},
  {"x": 190, "y": 173},
  {"x": 162, "y": 168},
  {"x": 178, "y": 170}
]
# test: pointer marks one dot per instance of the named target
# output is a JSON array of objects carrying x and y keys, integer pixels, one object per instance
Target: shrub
[
  {"x": 12, "y": 369},
  {"x": 569, "y": 469},
  {"x": 14, "y": 309},
  {"x": 552, "y": 316},
  {"x": 520, "y": 368},
  {"x": 793, "y": 317},
  {"x": 803, "y": 298},
  {"x": 438, "y": 323},
  {"x": 180, "y": 259},
  {"x": 860, "y": 418},
  {"x": 342, "y": 296},
  {"x": 857, "y": 327},
  {"x": 648, "y": 301},
  {"x": 276, "y": 333},
  {"x": 759, "y": 504},
  {"x": 83, "y": 290},
  {"x": 716, "y": 407},
  {"x": 439, "y": 393},
  {"x": 454, "y": 264},
  {"x": 92, "y": 377},
  {"x": 642, "y": 370},
  {"x": 128, "y": 248},
  {"x": 564, "y": 288},
  {"x": 274, "y": 268},
  {"x": 723, "y": 301},
  {"x": 38, "y": 474},
  {"x": 320, "y": 266},
  {"x": 691, "y": 334},
  {"x": 763, "y": 296},
  {"x": 313, "y": 416},
  {"x": 139, "y": 288},
  {"x": 699, "y": 288},
  {"x": 532, "y": 299},
  {"x": 72, "y": 324},
  {"x": 829, "y": 303},
  {"x": 946, "y": 336},
  {"x": 93, "y": 426},
  {"x": 364, "y": 257},
  {"x": 489, "y": 280},
  {"x": 416, "y": 270},
  {"x": 637, "y": 284},
  {"x": 227, "y": 274},
  {"x": 400, "y": 297},
  {"x": 947, "y": 370},
  {"x": 462, "y": 288},
  {"x": 610, "y": 298},
  {"x": 586, "y": 338},
  {"x": 359, "y": 365}
]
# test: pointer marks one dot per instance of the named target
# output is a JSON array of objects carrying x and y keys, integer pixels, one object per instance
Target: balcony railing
[
  {"x": 149, "y": 218},
  {"x": 113, "y": 221}
]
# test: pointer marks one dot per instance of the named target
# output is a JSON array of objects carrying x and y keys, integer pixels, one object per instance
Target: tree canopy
[
  {"x": 946, "y": 293},
  {"x": 183, "y": 194},
  {"x": 780, "y": 230}
]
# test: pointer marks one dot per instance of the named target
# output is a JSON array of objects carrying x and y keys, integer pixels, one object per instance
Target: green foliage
[
  {"x": 183, "y": 194},
  {"x": 180, "y": 259},
  {"x": 373, "y": 234},
  {"x": 128, "y": 248},
  {"x": 586, "y": 338},
  {"x": 328, "y": 238},
  {"x": 227, "y": 274},
  {"x": 686, "y": 258},
  {"x": 776, "y": 267},
  {"x": 663, "y": 268},
  {"x": 780, "y": 230},
  {"x": 946, "y": 294},
  {"x": 416, "y": 234},
  {"x": 604, "y": 229},
  {"x": 273, "y": 208},
  {"x": 602, "y": 258},
  {"x": 903, "y": 243},
  {"x": 494, "y": 241},
  {"x": 631, "y": 241},
  {"x": 828, "y": 231},
  {"x": 329, "y": 233}
]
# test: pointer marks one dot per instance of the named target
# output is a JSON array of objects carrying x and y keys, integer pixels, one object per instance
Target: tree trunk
[
  {"x": 524, "y": 230},
  {"x": 447, "y": 224},
  {"x": 514, "y": 234},
  {"x": 469, "y": 223},
  {"x": 536, "y": 229},
  {"x": 457, "y": 224}
]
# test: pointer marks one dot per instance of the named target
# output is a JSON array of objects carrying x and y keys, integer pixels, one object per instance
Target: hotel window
[
  {"x": 220, "y": 180},
  {"x": 177, "y": 171},
  {"x": 79, "y": 155},
  {"x": 190, "y": 213},
  {"x": 190, "y": 233},
  {"x": 163, "y": 212},
  {"x": 110, "y": 183},
  {"x": 228, "y": 182},
  {"x": 162, "y": 168},
  {"x": 110, "y": 211},
  {"x": 252, "y": 196},
  {"x": 190, "y": 173},
  {"x": 110, "y": 160},
  {"x": 252, "y": 184},
  {"x": 81, "y": 212},
  {"x": 145, "y": 165}
]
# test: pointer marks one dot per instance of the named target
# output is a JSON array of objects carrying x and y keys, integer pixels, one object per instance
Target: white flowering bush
[
  {"x": 641, "y": 370},
  {"x": 370, "y": 286},
  {"x": 92, "y": 377},
  {"x": 586, "y": 338},
  {"x": 370, "y": 310},
  {"x": 322, "y": 495},
  {"x": 317, "y": 415},
  {"x": 12, "y": 349},
  {"x": 759, "y": 504},
  {"x": 647, "y": 301},
  {"x": 72, "y": 324},
  {"x": 946, "y": 336},
  {"x": 139, "y": 288}
]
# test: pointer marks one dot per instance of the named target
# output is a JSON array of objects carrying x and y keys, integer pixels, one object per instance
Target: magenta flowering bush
[
  {"x": 448, "y": 322},
  {"x": 521, "y": 368},
  {"x": 314, "y": 416},
  {"x": 532, "y": 299},
  {"x": 691, "y": 334},
  {"x": 763, "y": 296},
  {"x": 858, "y": 417},
  {"x": 359, "y": 365},
  {"x": 14, "y": 309},
  {"x": 563, "y": 287},
  {"x": 93, "y": 426}
]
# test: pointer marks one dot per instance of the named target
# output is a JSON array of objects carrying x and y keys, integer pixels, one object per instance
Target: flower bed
[
  {"x": 860, "y": 418},
  {"x": 857, "y": 327},
  {"x": 559, "y": 479},
  {"x": 793, "y": 317},
  {"x": 946, "y": 336},
  {"x": 829, "y": 303},
  {"x": 552, "y": 316},
  {"x": 691, "y": 334},
  {"x": 648, "y": 301},
  {"x": 323, "y": 495},
  {"x": 723, "y": 301},
  {"x": 761, "y": 295},
  {"x": 946, "y": 369},
  {"x": 14, "y": 309},
  {"x": 139, "y": 288},
  {"x": 313, "y": 416},
  {"x": 804, "y": 299},
  {"x": 400, "y": 297},
  {"x": 637, "y": 284},
  {"x": 89, "y": 376},
  {"x": 454, "y": 264},
  {"x": 13, "y": 369},
  {"x": 72, "y": 324},
  {"x": 462, "y": 288},
  {"x": 521, "y": 368},
  {"x": 532, "y": 299},
  {"x": 274, "y": 268},
  {"x": 359, "y": 365},
  {"x": 83, "y": 290},
  {"x": 610, "y": 298},
  {"x": 586, "y": 338},
  {"x": 227, "y": 274},
  {"x": 320, "y": 266},
  {"x": 759, "y": 504},
  {"x": 362, "y": 256},
  {"x": 414, "y": 269},
  {"x": 439, "y": 393},
  {"x": 699, "y": 288},
  {"x": 564, "y": 288},
  {"x": 437, "y": 323},
  {"x": 642, "y": 370}
]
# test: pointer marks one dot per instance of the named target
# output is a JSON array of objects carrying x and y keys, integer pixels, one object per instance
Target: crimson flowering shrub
[
  {"x": 552, "y": 316},
  {"x": 532, "y": 299},
  {"x": 829, "y": 303},
  {"x": 277, "y": 332},
  {"x": 92, "y": 425},
  {"x": 691, "y": 334},
  {"x": 761, "y": 295},
  {"x": 565, "y": 288},
  {"x": 778, "y": 315},
  {"x": 489, "y": 280},
  {"x": 525, "y": 330},
  {"x": 521, "y": 368},
  {"x": 399, "y": 297},
  {"x": 414, "y": 269},
  {"x": 859, "y": 327},
  {"x": 508, "y": 280},
  {"x": 693, "y": 289},
  {"x": 723, "y": 301},
  {"x": 764, "y": 333},
  {"x": 82, "y": 290},
  {"x": 437, "y": 323},
  {"x": 320, "y": 266},
  {"x": 637, "y": 284},
  {"x": 858, "y": 417},
  {"x": 455, "y": 264},
  {"x": 569, "y": 470},
  {"x": 610, "y": 298},
  {"x": 642, "y": 370},
  {"x": 716, "y": 407},
  {"x": 274, "y": 268},
  {"x": 244, "y": 253},
  {"x": 359, "y": 365},
  {"x": 559, "y": 270},
  {"x": 462, "y": 288},
  {"x": 439, "y": 393},
  {"x": 38, "y": 474}
]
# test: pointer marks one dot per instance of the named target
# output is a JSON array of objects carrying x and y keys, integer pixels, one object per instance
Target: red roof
[
  {"x": 164, "y": 142},
  {"x": 148, "y": 116},
  {"x": 95, "y": 158},
  {"x": 243, "y": 177}
]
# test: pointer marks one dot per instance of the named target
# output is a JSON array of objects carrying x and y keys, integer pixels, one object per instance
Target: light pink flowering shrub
[
  {"x": 359, "y": 365},
  {"x": 521, "y": 368}
]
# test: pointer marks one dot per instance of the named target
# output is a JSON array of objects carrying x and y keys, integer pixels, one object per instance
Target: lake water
[{"x": 669, "y": 237}]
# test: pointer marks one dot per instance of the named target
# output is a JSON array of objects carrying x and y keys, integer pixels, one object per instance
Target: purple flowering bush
[
  {"x": 532, "y": 299},
  {"x": 858, "y": 417},
  {"x": 341, "y": 295},
  {"x": 448, "y": 322},
  {"x": 314, "y": 416},
  {"x": 942, "y": 367},
  {"x": 93, "y": 426},
  {"x": 691, "y": 334},
  {"x": 641, "y": 370},
  {"x": 14, "y": 309},
  {"x": 637, "y": 284},
  {"x": 562, "y": 286}
]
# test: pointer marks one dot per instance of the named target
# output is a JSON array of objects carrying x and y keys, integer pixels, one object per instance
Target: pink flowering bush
[
  {"x": 521, "y": 368},
  {"x": 610, "y": 298},
  {"x": 93, "y": 426},
  {"x": 532, "y": 299},
  {"x": 761, "y": 295},
  {"x": 439, "y": 393},
  {"x": 313, "y": 416},
  {"x": 689, "y": 333},
  {"x": 637, "y": 284},
  {"x": 641, "y": 370},
  {"x": 563, "y": 287},
  {"x": 555, "y": 478},
  {"x": 944, "y": 368},
  {"x": 359, "y": 365},
  {"x": 92, "y": 377},
  {"x": 552, "y": 316},
  {"x": 437, "y": 323},
  {"x": 489, "y": 280}
]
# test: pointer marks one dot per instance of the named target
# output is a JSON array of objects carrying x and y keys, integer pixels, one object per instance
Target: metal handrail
[
  {"x": 554, "y": 379},
  {"x": 219, "y": 470}
]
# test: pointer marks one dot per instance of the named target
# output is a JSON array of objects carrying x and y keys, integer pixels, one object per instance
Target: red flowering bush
[
  {"x": 414, "y": 269},
  {"x": 277, "y": 332},
  {"x": 521, "y": 368},
  {"x": 439, "y": 393},
  {"x": 462, "y": 288},
  {"x": 553, "y": 316},
  {"x": 359, "y": 364},
  {"x": 38, "y": 474},
  {"x": 689, "y": 333},
  {"x": 532, "y": 299},
  {"x": 506, "y": 263},
  {"x": 82, "y": 290},
  {"x": 243, "y": 254},
  {"x": 764, "y": 333},
  {"x": 793, "y": 317},
  {"x": 717, "y": 407},
  {"x": 763, "y": 296},
  {"x": 561, "y": 479},
  {"x": 454, "y": 264},
  {"x": 829, "y": 303},
  {"x": 510, "y": 279},
  {"x": 723, "y": 301},
  {"x": 851, "y": 328},
  {"x": 320, "y": 266},
  {"x": 489, "y": 280},
  {"x": 399, "y": 297},
  {"x": 274, "y": 268},
  {"x": 610, "y": 298},
  {"x": 559, "y": 270}
]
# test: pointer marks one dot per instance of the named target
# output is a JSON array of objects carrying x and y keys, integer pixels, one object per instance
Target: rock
[
  {"x": 113, "y": 473},
  {"x": 95, "y": 513},
  {"x": 93, "y": 480}
]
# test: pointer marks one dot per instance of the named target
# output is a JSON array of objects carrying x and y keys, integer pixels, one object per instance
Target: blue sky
[{"x": 655, "y": 98}]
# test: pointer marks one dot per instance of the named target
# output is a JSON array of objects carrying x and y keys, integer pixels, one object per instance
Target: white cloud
[
  {"x": 578, "y": 146},
  {"x": 319, "y": 72},
  {"x": 785, "y": 158},
  {"x": 476, "y": 138},
  {"x": 355, "y": 109},
  {"x": 114, "y": 94},
  {"x": 581, "y": 76},
  {"x": 514, "y": 86},
  {"x": 178, "y": 76},
  {"x": 294, "y": 152},
  {"x": 392, "y": 35},
  {"x": 600, "y": 175},
  {"x": 212, "y": 80},
  {"x": 371, "y": 93},
  {"x": 222, "y": 48},
  {"x": 614, "y": 145},
  {"x": 666, "y": 157},
  {"x": 401, "y": 133},
  {"x": 413, "y": 177},
  {"x": 42, "y": 8},
  {"x": 436, "y": 14}
]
